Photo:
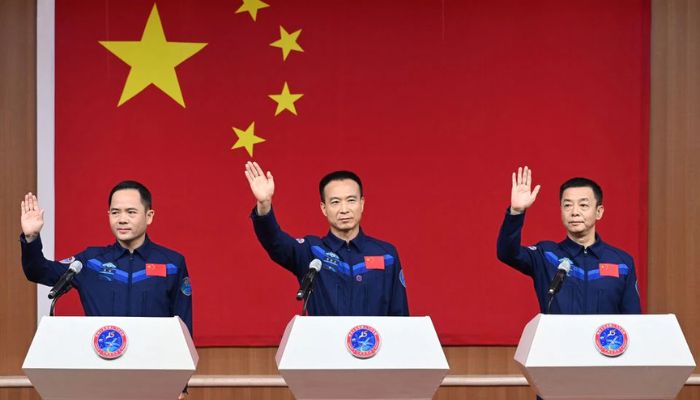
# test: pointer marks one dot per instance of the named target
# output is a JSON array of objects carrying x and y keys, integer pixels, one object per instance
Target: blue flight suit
[
  {"x": 602, "y": 279},
  {"x": 114, "y": 282},
  {"x": 348, "y": 283}
]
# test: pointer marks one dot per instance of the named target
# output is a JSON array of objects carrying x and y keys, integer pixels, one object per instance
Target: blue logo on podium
[
  {"x": 109, "y": 342},
  {"x": 363, "y": 341}
]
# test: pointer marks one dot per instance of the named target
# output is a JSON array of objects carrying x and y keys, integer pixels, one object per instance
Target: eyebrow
[{"x": 352, "y": 196}]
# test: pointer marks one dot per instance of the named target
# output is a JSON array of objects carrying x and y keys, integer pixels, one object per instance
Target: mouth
[{"x": 123, "y": 230}]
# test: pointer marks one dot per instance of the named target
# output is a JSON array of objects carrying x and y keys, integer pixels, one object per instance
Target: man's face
[
  {"x": 128, "y": 217},
  {"x": 580, "y": 210},
  {"x": 343, "y": 205}
]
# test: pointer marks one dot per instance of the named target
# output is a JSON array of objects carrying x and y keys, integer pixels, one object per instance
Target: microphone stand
[
  {"x": 549, "y": 303},
  {"x": 55, "y": 299},
  {"x": 306, "y": 299}
]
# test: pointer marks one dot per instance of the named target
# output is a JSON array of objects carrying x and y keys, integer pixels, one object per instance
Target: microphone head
[
  {"x": 76, "y": 266},
  {"x": 315, "y": 264},
  {"x": 564, "y": 265}
]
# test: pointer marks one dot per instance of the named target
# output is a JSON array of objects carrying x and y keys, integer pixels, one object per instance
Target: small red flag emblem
[
  {"x": 609, "y": 270},
  {"x": 156, "y": 270},
  {"x": 374, "y": 262}
]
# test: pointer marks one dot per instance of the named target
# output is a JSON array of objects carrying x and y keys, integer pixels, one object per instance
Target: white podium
[
  {"x": 559, "y": 357},
  {"x": 315, "y": 362},
  {"x": 157, "y": 362}
]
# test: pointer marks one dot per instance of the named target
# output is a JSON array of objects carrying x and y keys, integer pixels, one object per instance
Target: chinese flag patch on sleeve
[
  {"x": 374, "y": 262},
  {"x": 156, "y": 270},
  {"x": 609, "y": 270}
]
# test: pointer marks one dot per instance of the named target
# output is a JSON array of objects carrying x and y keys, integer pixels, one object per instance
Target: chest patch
[
  {"x": 612, "y": 270},
  {"x": 374, "y": 262}
]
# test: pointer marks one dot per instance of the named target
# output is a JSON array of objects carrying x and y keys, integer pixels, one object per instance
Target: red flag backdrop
[{"x": 432, "y": 103}]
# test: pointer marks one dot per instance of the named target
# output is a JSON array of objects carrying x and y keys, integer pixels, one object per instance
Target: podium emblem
[
  {"x": 363, "y": 341},
  {"x": 611, "y": 340},
  {"x": 109, "y": 342}
]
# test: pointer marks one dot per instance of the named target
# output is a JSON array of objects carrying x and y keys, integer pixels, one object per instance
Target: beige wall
[{"x": 674, "y": 212}]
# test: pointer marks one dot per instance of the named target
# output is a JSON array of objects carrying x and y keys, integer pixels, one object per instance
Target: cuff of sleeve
[
  {"x": 254, "y": 214},
  {"x": 23, "y": 240}
]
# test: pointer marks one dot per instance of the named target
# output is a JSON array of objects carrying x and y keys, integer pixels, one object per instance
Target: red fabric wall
[{"x": 432, "y": 103}]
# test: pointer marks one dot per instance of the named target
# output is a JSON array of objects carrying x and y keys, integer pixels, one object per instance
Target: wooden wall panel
[
  {"x": 17, "y": 175},
  {"x": 674, "y": 216},
  {"x": 674, "y": 178}
]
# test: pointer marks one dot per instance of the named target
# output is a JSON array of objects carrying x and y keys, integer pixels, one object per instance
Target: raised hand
[
  {"x": 32, "y": 217},
  {"x": 262, "y": 185},
  {"x": 521, "y": 195}
]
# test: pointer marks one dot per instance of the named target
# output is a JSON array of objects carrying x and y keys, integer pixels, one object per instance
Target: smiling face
[
  {"x": 128, "y": 218},
  {"x": 580, "y": 212},
  {"x": 343, "y": 205}
]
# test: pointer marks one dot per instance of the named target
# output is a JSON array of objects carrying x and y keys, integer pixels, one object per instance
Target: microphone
[
  {"x": 64, "y": 284},
  {"x": 562, "y": 270},
  {"x": 307, "y": 282}
]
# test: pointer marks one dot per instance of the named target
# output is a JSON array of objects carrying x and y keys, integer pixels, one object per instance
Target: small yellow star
[
  {"x": 152, "y": 60},
  {"x": 287, "y": 42},
  {"x": 247, "y": 138},
  {"x": 252, "y": 7},
  {"x": 285, "y": 100}
]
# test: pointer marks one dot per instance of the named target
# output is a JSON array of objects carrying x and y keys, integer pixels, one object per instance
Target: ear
[
  {"x": 362, "y": 203},
  {"x": 599, "y": 212},
  {"x": 323, "y": 209},
  {"x": 149, "y": 216}
]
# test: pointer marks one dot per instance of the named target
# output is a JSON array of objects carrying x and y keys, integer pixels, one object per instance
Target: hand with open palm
[
  {"x": 32, "y": 217},
  {"x": 521, "y": 194},
  {"x": 262, "y": 185}
]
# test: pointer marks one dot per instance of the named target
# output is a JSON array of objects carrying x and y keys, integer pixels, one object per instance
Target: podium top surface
[
  {"x": 321, "y": 343},
  {"x": 570, "y": 340},
  {"x": 151, "y": 344}
]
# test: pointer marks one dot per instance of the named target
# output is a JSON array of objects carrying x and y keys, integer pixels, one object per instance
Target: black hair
[
  {"x": 583, "y": 182},
  {"x": 338, "y": 176},
  {"x": 143, "y": 191}
]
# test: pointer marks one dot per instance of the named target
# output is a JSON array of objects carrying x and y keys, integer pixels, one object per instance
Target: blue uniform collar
[
  {"x": 142, "y": 251},
  {"x": 335, "y": 243},
  {"x": 574, "y": 249}
]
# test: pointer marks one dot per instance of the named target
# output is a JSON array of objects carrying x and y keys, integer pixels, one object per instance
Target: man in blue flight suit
[
  {"x": 360, "y": 275},
  {"x": 132, "y": 277},
  {"x": 602, "y": 279}
]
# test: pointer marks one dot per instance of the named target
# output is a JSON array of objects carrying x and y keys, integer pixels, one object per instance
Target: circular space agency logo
[
  {"x": 109, "y": 342},
  {"x": 363, "y": 341},
  {"x": 611, "y": 340}
]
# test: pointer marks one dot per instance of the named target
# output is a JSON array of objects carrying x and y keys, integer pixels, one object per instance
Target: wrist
[
  {"x": 263, "y": 207},
  {"x": 30, "y": 237},
  {"x": 516, "y": 211}
]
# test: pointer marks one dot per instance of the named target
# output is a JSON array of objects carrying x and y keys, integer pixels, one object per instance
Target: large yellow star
[
  {"x": 247, "y": 138},
  {"x": 251, "y": 7},
  {"x": 287, "y": 42},
  {"x": 153, "y": 60},
  {"x": 285, "y": 100}
]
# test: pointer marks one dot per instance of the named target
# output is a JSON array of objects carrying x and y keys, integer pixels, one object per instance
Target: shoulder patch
[
  {"x": 67, "y": 260},
  {"x": 533, "y": 248},
  {"x": 402, "y": 278},
  {"x": 300, "y": 240},
  {"x": 186, "y": 286}
]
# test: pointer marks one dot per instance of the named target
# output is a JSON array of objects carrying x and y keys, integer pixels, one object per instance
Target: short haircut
[
  {"x": 338, "y": 176},
  {"x": 143, "y": 191},
  {"x": 583, "y": 182}
]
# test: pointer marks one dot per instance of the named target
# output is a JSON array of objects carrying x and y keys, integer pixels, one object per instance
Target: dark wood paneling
[
  {"x": 674, "y": 214},
  {"x": 17, "y": 175}
]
